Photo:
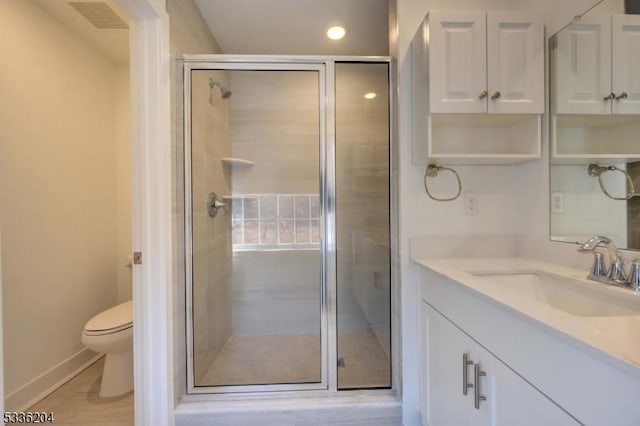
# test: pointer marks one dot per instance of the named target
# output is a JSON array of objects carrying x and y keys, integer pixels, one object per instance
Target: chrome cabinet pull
[
  {"x": 622, "y": 95},
  {"x": 610, "y": 96},
  {"x": 483, "y": 94},
  {"x": 477, "y": 397},
  {"x": 466, "y": 362},
  {"x": 496, "y": 95}
]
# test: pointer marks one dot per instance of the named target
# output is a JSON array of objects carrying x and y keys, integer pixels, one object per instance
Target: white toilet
[{"x": 111, "y": 332}]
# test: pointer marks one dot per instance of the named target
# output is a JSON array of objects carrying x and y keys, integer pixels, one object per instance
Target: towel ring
[
  {"x": 596, "y": 170},
  {"x": 432, "y": 171}
]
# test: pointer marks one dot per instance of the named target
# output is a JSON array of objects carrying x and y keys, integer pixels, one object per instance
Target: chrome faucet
[{"x": 615, "y": 273}]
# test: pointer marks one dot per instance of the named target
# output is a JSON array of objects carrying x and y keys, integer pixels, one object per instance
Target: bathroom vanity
[{"x": 517, "y": 341}]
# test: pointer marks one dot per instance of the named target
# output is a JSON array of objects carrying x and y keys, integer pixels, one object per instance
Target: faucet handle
[
  {"x": 616, "y": 272},
  {"x": 634, "y": 275},
  {"x": 598, "y": 270}
]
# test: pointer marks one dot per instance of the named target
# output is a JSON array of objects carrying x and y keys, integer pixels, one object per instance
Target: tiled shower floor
[{"x": 252, "y": 360}]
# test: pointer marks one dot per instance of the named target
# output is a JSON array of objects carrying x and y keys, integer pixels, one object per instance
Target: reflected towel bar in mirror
[{"x": 596, "y": 170}]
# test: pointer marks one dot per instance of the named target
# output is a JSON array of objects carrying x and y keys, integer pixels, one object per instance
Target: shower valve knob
[{"x": 214, "y": 204}]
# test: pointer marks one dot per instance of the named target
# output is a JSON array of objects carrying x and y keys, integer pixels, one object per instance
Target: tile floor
[
  {"x": 252, "y": 360},
  {"x": 77, "y": 402},
  {"x": 244, "y": 360}
]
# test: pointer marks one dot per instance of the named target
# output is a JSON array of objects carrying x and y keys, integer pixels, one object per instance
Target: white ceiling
[
  {"x": 297, "y": 27},
  {"x": 293, "y": 27}
]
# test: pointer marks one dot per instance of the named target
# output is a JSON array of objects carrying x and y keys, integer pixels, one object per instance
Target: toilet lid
[{"x": 120, "y": 316}]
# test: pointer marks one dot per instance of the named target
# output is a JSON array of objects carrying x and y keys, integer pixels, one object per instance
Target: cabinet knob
[
  {"x": 477, "y": 397},
  {"x": 622, "y": 95},
  {"x": 483, "y": 94},
  {"x": 466, "y": 362},
  {"x": 610, "y": 96},
  {"x": 495, "y": 96}
]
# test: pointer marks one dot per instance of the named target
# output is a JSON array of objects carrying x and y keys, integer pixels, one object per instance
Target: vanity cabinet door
[
  {"x": 457, "y": 62},
  {"x": 513, "y": 401},
  {"x": 509, "y": 399},
  {"x": 582, "y": 64},
  {"x": 445, "y": 404},
  {"x": 515, "y": 64},
  {"x": 625, "y": 65}
]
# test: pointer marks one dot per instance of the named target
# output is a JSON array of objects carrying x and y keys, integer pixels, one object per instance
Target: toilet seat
[{"x": 114, "y": 320}]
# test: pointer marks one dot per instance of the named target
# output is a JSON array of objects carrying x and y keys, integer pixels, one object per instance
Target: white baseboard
[{"x": 35, "y": 390}]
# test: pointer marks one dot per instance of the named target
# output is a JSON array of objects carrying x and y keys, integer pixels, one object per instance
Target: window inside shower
[{"x": 288, "y": 275}]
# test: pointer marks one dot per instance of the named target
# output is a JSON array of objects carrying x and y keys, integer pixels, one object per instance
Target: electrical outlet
[
  {"x": 557, "y": 203},
  {"x": 471, "y": 206}
]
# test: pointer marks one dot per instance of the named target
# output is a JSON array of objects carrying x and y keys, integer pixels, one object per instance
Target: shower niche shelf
[{"x": 236, "y": 162}]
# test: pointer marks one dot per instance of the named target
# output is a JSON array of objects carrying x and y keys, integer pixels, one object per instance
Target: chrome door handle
[
  {"x": 496, "y": 95},
  {"x": 610, "y": 96},
  {"x": 622, "y": 95},
  {"x": 466, "y": 362},
  {"x": 477, "y": 397},
  {"x": 483, "y": 94}
]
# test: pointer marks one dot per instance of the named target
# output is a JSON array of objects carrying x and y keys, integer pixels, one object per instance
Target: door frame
[
  {"x": 154, "y": 399},
  {"x": 327, "y": 223}
]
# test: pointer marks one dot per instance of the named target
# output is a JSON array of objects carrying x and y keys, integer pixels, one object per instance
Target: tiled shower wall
[
  {"x": 274, "y": 124},
  {"x": 211, "y": 238},
  {"x": 188, "y": 34},
  {"x": 362, "y": 173}
]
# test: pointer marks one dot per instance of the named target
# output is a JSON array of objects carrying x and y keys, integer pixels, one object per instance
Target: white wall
[
  {"x": 58, "y": 190},
  {"x": 122, "y": 114},
  {"x": 509, "y": 196}
]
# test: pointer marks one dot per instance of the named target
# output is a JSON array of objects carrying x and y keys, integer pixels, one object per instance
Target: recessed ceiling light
[
  {"x": 370, "y": 95},
  {"x": 336, "y": 32}
]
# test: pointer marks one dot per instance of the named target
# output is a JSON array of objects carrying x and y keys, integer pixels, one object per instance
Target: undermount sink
[{"x": 584, "y": 299}]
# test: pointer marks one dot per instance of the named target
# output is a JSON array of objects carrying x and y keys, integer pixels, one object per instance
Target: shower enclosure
[{"x": 287, "y": 223}]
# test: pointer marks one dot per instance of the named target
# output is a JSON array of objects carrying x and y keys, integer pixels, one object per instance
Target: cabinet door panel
[
  {"x": 625, "y": 65},
  {"x": 457, "y": 62},
  {"x": 582, "y": 65},
  {"x": 445, "y": 344},
  {"x": 515, "y": 63},
  {"x": 511, "y": 401}
]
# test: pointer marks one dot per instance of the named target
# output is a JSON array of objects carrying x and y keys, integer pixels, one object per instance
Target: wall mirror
[{"x": 594, "y": 72}]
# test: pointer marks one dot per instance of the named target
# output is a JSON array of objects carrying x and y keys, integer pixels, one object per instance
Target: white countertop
[{"x": 615, "y": 337}]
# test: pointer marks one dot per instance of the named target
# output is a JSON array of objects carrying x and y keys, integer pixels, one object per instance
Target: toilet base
[{"x": 117, "y": 375}]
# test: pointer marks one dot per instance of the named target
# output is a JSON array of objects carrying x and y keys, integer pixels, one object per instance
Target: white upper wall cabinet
[
  {"x": 515, "y": 64},
  {"x": 458, "y": 62},
  {"x": 625, "y": 65},
  {"x": 486, "y": 62},
  {"x": 477, "y": 88},
  {"x": 597, "y": 66},
  {"x": 583, "y": 67}
]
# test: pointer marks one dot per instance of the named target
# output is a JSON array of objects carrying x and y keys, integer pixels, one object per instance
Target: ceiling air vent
[{"x": 100, "y": 15}]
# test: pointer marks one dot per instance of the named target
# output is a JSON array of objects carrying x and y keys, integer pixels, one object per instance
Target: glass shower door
[{"x": 254, "y": 162}]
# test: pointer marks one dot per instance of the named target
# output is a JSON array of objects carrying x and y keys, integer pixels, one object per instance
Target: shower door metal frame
[
  {"x": 327, "y": 217},
  {"x": 326, "y": 67}
]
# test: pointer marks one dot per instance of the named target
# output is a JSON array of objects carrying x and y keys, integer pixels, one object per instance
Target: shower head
[{"x": 224, "y": 92}]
